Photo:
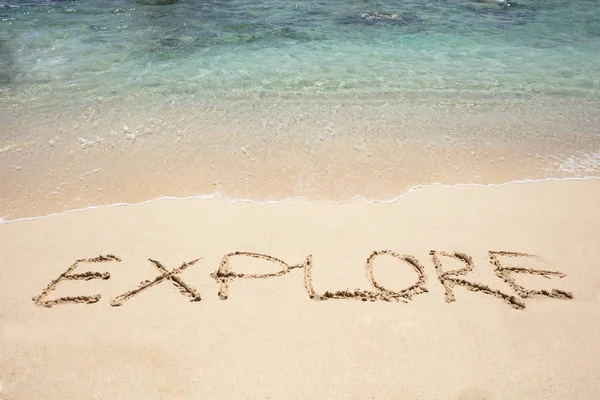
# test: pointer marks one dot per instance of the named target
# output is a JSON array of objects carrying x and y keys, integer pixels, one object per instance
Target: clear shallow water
[
  {"x": 104, "y": 102},
  {"x": 86, "y": 51}
]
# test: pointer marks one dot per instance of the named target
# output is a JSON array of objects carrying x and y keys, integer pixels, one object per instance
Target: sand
[{"x": 380, "y": 323}]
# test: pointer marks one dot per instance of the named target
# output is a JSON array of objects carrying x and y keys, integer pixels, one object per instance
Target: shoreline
[
  {"x": 271, "y": 151},
  {"x": 218, "y": 196}
]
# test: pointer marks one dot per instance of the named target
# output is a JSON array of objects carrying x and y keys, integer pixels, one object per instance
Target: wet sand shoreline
[{"x": 274, "y": 150}]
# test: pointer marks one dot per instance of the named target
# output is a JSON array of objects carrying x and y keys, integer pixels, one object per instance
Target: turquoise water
[
  {"x": 63, "y": 52},
  {"x": 103, "y": 102}
]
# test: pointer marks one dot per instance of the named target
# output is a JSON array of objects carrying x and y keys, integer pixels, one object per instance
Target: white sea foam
[
  {"x": 290, "y": 199},
  {"x": 580, "y": 163}
]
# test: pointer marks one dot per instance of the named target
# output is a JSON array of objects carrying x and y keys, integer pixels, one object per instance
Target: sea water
[
  {"x": 78, "y": 51},
  {"x": 279, "y": 98}
]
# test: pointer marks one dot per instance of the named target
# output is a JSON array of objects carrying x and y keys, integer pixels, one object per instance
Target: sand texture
[{"x": 450, "y": 293}]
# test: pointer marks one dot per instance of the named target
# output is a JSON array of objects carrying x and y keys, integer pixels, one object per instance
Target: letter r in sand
[{"x": 450, "y": 279}]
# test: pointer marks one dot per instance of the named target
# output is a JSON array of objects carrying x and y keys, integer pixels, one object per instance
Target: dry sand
[{"x": 269, "y": 339}]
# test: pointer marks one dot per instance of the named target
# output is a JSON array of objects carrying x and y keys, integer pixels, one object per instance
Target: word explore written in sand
[{"x": 224, "y": 276}]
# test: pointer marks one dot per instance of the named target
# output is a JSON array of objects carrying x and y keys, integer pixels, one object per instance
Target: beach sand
[{"x": 269, "y": 339}]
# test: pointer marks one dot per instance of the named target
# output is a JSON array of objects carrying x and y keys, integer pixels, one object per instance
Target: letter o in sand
[{"x": 409, "y": 292}]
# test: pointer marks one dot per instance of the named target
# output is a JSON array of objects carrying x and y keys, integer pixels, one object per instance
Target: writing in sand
[{"x": 224, "y": 276}]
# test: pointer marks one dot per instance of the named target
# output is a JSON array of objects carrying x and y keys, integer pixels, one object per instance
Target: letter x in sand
[{"x": 184, "y": 288}]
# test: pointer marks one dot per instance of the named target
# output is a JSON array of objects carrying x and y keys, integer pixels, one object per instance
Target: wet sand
[{"x": 54, "y": 160}]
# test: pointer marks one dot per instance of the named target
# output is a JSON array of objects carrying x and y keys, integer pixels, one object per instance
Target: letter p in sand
[{"x": 224, "y": 276}]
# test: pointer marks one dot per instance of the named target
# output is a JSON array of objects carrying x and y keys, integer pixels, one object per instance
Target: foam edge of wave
[{"x": 290, "y": 199}]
